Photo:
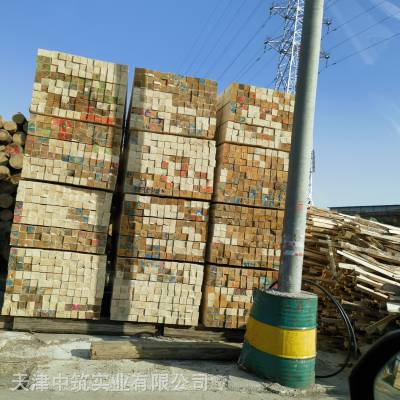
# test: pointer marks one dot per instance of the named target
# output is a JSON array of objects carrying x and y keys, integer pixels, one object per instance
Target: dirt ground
[{"x": 57, "y": 366}]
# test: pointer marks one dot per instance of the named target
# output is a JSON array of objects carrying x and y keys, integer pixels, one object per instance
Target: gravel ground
[{"x": 58, "y": 366}]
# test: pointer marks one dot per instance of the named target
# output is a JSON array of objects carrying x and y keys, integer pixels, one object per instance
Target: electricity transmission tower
[{"x": 288, "y": 44}]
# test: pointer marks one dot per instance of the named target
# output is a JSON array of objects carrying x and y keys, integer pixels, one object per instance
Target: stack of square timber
[
  {"x": 72, "y": 152},
  {"x": 163, "y": 228},
  {"x": 49, "y": 216},
  {"x": 157, "y": 291},
  {"x": 57, "y": 266},
  {"x": 246, "y": 216},
  {"x": 231, "y": 290},
  {"x": 167, "y": 186}
]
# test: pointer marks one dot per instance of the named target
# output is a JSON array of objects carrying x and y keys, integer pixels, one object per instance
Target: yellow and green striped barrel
[{"x": 280, "y": 339}]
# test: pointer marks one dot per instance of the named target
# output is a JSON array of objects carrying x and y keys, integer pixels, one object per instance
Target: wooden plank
[
  {"x": 396, "y": 383},
  {"x": 381, "y": 324},
  {"x": 389, "y": 238},
  {"x": 164, "y": 350},
  {"x": 349, "y": 267},
  {"x": 231, "y": 335},
  {"x": 361, "y": 261},
  {"x": 393, "y": 307},
  {"x": 331, "y": 256},
  {"x": 372, "y": 292},
  {"x": 370, "y": 282},
  {"x": 193, "y": 334},
  {"x": 378, "y": 278},
  {"x": 6, "y": 322},
  {"x": 100, "y": 327},
  {"x": 374, "y": 253}
]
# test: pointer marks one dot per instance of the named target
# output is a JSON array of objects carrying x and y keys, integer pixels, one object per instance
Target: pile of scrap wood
[{"x": 358, "y": 261}]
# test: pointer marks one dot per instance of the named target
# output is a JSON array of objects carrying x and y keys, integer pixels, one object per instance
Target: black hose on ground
[
  {"x": 350, "y": 331},
  {"x": 352, "y": 348}
]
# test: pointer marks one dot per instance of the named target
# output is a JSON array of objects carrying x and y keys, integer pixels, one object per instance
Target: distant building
[{"x": 385, "y": 214}]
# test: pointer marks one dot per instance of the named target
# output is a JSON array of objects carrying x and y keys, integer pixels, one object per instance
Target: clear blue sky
[{"x": 357, "y": 132}]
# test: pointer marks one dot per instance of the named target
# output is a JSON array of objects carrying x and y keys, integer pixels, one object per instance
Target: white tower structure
[{"x": 288, "y": 44}]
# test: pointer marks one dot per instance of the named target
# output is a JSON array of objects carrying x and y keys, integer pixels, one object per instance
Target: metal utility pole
[
  {"x": 288, "y": 47},
  {"x": 280, "y": 340},
  {"x": 310, "y": 184},
  {"x": 302, "y": 144},
  {"x": 288, "y": 44}
]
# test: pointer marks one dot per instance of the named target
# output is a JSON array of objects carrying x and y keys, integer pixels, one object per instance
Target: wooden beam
[
  {"x": 164, "y": 350},
  {"x": 365, "y": 263},
  {"x": 229, "y": 335},
  {"x": 6, "y": 322},
  {"x": 85, "y": 327},
  {"x": 381, "y": 324}
]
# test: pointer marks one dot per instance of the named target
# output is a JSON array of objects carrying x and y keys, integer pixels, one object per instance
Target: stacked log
[
  {"x": 358, "y": 261},
  {"x": 246, "y": 220},
  {"x": 64, "y": 198},
  {"x": 12, "y": 143},
  {"x": 167, "y": 186}
]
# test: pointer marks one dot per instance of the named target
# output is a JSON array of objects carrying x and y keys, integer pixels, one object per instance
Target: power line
[
  {"x": 364, "y": 49},
  {"x": 216, "y": 43},
  {"x": 258, "y": 71},
  {"x": 364, "y": 30},
  {"x": 332, "y": 3},
  {"x": 206, "y": 41},
  {"x": 244, "y": 48},
  {"x": 204, "y": 26},
  {"x": 358, "y": 15},
  {"x": 234, "y": 37},
  {"x": 249, "y": 65},
  {"x": 246, "y": 68}
]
